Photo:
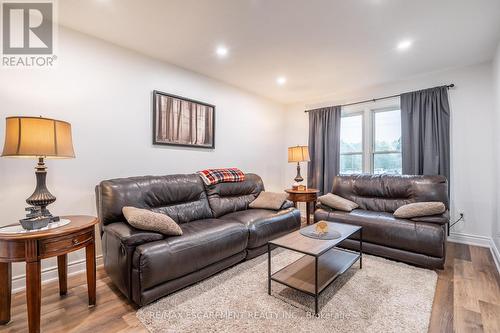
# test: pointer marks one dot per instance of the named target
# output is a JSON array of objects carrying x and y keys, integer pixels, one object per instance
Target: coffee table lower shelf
[{"x": 303, "y": 274}]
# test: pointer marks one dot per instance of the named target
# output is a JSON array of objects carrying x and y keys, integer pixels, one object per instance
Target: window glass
[
  {"x": 389, "y": 163},
  {"x": 387, "y": 142},
  {"x": 351, "y": 134},
  {"x": 351, "y": 163},
  {"x": 387, "y": 131},
  {"x": 351, "y": 144}
]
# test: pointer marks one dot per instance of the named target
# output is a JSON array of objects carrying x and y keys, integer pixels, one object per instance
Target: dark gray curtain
[
  {"x": 425, "y": 132},
  {"x": 324, "y": 147}
]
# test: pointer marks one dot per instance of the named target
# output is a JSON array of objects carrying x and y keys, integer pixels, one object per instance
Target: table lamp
[
  {"x": 40, "y": 138},
  {"x": 298, "y": 154}
]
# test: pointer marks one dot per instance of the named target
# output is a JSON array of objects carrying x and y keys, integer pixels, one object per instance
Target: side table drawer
[
  {"x": 302, "y": 197},
  {"x": 53, "y": 246}
]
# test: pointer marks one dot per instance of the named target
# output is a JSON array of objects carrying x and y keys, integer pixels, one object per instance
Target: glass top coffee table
[{"x": 322, "y": 263}]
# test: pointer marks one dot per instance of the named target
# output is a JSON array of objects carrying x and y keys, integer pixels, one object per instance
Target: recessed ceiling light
[
  {"x": 281, "y": 80},
  {"x": 404, "y": 45},
  {"x": 221, "y": 51}
]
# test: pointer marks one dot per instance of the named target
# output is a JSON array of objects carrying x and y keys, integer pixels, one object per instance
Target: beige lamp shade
[
  {"x": 298, "y": 154},
  {"x": 37, "y": 137}
]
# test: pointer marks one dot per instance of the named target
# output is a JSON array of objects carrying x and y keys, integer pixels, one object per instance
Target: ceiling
[{"x": 320, "y": 46}]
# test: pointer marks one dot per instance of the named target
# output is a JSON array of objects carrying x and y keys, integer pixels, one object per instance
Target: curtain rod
[{"x": 379, "y": 98}]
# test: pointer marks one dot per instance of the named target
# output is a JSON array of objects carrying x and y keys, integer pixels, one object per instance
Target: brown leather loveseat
[
  {"x": 219, "y": 230},
  {"x": 418, "y": 241}
]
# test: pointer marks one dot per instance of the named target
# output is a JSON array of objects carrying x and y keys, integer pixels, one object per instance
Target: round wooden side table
[
  {"x": 32, "y": 247},
  {"x": 309, "y": 196}
]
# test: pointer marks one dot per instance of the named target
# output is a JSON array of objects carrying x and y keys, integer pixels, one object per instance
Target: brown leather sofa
[
  {"x": 417, "y": 241},
  {"x": 219, "y": 230}
]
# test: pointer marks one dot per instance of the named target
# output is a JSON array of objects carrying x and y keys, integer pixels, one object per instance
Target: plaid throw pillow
[{"x": 226, "y": 175}]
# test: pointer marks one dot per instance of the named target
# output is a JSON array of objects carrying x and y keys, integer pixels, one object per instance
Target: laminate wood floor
[{"x": 467, "y": 299}]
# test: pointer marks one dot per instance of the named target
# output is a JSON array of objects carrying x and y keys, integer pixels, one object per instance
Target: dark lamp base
[
  {"x": 37, "y": 218},
  {"x": 298, "y": 178},
  {"x": 38, "y": 215}
]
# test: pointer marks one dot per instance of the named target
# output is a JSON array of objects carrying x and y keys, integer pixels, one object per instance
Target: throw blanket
[{"x": 226, "y": 175}]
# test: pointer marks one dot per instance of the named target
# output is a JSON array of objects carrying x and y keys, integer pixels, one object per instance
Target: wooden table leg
[
  {"x": 308, "y": 212},
  {"x": 62, "y": 268},
  {"x": 33, "y": 295},
  {"x": 5, "y": 291},
  {"x": 91, "y": 273}
]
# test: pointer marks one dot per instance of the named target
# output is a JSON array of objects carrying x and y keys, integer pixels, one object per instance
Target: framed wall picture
[{"x": 181, "y": 121}]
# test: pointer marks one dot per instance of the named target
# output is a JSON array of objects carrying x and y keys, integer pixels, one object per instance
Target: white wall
[
  {"x": 472, "y": 136},
  {"x": 105, "y": 92}
]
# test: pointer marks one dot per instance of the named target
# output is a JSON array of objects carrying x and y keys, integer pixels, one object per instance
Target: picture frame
[{"x": 181, "y": 121}]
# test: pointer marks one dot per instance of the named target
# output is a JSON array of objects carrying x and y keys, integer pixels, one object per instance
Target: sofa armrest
[
  {"x": 119, "y": 241},
  {"x": 437, "y": 219},
  {"x": 130, "y": 236},
  {"x": 319, "y": 205},
  {"x": 287, "y": 204}
]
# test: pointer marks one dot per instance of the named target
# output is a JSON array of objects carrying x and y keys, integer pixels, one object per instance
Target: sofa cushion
[
  {"x": 202, "y": 243},
  {"x": 145, "y": 219},
  {"x": 226, "y": 198},
  {"x": 269, "y": 200},
  {"x": 264, "y": 224},
  {"x": 384, "y": 229},
  {"x": 419, "y": 209},
  {"x": 337, "y": 202}
]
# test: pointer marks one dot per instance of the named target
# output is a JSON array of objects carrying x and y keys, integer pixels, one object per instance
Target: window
[
  {"x": 351, "y": 144},
  {"x": 387, "y": 142},
  {"x": 370, "y": 141}
]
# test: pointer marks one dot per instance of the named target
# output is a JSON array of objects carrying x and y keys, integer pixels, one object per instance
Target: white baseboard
[
  {"x": 477, "y": 241},
  {"x": 469, "y": 239},
  {"x": 50, "y": 273},
  {"x": 496, "y": 254}
]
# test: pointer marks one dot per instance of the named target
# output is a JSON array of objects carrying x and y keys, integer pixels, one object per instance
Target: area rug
[{"x": 384, "y": 296}]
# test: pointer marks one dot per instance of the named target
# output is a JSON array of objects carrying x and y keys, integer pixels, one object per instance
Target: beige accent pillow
[
  {"x": 147, "y": 220},
  {"x": 420, "y": 209},
  {"x": 269, "y": 200},
  {"x": 337, "y": 202}
]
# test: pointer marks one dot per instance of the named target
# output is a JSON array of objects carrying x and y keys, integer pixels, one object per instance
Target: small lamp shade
[
  {"x": 298, "y": 154},
  {"x": 37, "y": 137}
]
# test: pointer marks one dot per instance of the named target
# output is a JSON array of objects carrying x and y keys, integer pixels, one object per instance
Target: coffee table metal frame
[{"x": 317, "y": 291}]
